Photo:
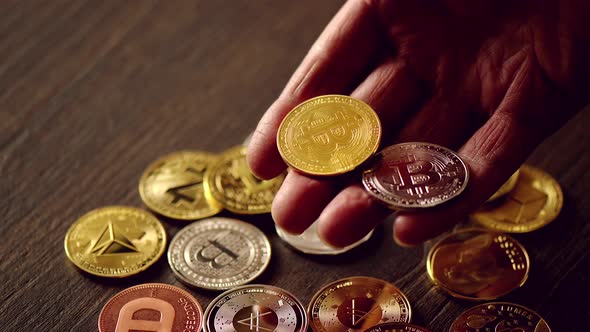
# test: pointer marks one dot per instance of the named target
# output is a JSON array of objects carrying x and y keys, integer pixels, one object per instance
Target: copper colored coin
[
  {"x": 151, "y": 307},
  {"x": 397, "y": 327},
  {"x": 415, "y": 175},
  {"x": 498, "y": 317}
]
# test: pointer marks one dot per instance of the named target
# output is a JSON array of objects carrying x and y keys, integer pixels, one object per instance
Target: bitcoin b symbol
[{"x": 413, "y": 176}]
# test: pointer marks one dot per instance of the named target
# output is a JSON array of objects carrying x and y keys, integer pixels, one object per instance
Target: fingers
[{"x": 335, "y": 63}]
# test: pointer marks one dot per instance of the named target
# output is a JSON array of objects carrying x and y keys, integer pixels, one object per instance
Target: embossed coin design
[
  {"x": 219, "y": 253},
  {"x": 397, "y": 327},
  {"x": 535, "y": 201},
  {"x": 232, "y": 184},
  {"x": 357, "y": 303},
  {"x": 259, "y": 308},
  {"x": 506, "y": 187},
  {"x": 115, "y": 241},
  {"x": 500, "y": 316},
  {"x": 478, "y": 264},
  {"x": 329, "y": 135},
  {"x": 173, "y": 186},
  {"x": 151, "y": 307},
  {"x": 415, "y": 175}
]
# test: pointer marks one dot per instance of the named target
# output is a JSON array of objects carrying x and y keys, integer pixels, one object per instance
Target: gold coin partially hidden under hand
[
  {"x": 231, "y": 183},
  {"x": 173, "y": 186},
  {"x": 506, "y": 187},
  {"x": 329, "y": 135},
  {"x": 535, "y": 201},
  {"x": 115, "y": 241}
]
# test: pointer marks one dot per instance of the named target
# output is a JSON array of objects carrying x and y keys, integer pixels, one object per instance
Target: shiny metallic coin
[
  {"x": 500, "y": 316},
  {"x": 357, "y": 303},
  {"x": 151, "y": 307},
  {"x": 397, "y": 327},
  {"x": 255, "y": 308},
  {"x": 232, "y": 184},
  {"x": 173, "y": 186},
  {"x": 506, "y": 187},
  {"x": 535, "y": 201},
  {"x": 478, "y": 264},
  {"x": 310, "y": 243},
  {"x": 415, "y": 175},
  {"x": 329, "y": 135},
  {"x": 218, "y": 253},
  {"x": 115, "y": 241}
]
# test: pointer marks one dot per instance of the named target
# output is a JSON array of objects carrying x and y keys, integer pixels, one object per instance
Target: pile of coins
[{"x": 324, "y": 136}]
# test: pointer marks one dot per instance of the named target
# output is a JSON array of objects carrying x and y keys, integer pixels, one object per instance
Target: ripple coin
[{"x": 499, "y": 316}]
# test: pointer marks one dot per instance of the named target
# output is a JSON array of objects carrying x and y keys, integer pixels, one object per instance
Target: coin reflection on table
[
  {"x": 478, "y": 264},
  {"x": 397, "y": 327},
  {"x": 499, "y": 317}
]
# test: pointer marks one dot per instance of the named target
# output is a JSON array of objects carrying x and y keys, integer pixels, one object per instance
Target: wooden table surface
[{"x": 92, "y": 91}]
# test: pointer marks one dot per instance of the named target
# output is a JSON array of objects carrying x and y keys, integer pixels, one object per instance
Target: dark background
[{"x": 91, "y": 92}]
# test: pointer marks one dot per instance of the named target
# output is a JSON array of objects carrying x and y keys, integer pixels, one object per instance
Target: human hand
[{"x": 490, "y": 78}]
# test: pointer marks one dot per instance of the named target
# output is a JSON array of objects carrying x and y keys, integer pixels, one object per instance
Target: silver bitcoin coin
[
  {"x": 415, "y": 175},
  {"x": 219, "y": 253},
  {"x": 255, "y": 308}
]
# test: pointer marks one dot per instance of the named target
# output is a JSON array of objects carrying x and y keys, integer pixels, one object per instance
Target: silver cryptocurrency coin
[
  {"x": 219, "y": 253},
  {"x": 309, "y": 242},
  {"x": 259, "y": 308},
  {"x": 415, "y": 175}
]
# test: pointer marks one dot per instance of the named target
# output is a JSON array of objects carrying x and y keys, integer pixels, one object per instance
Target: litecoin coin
[
  {"x": 173, "y": 186},
  {"x": 329, "y": 135},
  {"x": 535, "y": 201},
  {"x": 506, "y": 187},
  {"x": 415, "y": 175},
  {"x": 219, "y": 253},
  {"x": 397, "y": 327},
  {"x": 255, "y": 308},
  {"x": 499, "y": 316},
  {"x": 151, "y": 307},
  {"x": 310, "y": 243},
  {"x": 232, "y": 184},
  {"x": 478, "y": 264},
  {"x": 115, "y": 241},
  {"x": 357, "y": 303}
]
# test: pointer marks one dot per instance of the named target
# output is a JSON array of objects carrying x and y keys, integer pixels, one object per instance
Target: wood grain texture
[{"x": 92, "y": 91}]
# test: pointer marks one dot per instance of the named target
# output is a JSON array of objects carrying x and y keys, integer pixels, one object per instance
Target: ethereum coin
[
  {"x": 415, "y": 175},
  {"x": 506, "y": 187},
  {"x": 535, "y": 201},
  {"x": 173, "y": 186},
  {"x": 219, "y": 253},
  {"x": 255, "y": 308},
  {"x": 115, "y": 241},
  {"x": 499, "y": 316},
  {"x": 478, "y": 264},
  {"x": 310, "y": 243},
  {"x": 397, "y": 327},
  {"x": 151, "y": 307},
  {"x": 357, "y": 303},
  {"x": 232, "y": 184},
  {"x": 329, "y": 135}
]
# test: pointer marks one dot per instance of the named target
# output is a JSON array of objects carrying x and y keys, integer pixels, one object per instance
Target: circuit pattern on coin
[
  {"x": 115, "y": 241},
  {"x": 357, "y": 303},
  {"x": 151, "y": 307},
  {"x": 415, "y": 175},
  {"x": 397, "y": 327},
  {"x": 260, "y": 308},
  {"x": 478, "y": 264},
  {"x": 231, "y": 183},
  {"x": 499, "y": 316},
  {"x": 173, "y": 186},
  {"x": 535, "y": 201},
  {"x": 329, "y": 135},
  {"x": 219, "y": 253}
]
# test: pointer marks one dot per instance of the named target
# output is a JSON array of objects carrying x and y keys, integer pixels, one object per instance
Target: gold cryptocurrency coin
[
  {"x": 478, "y": 264},
  {"x": 499, "y": 317},
  {"x": 535, "y": 201},
  {"x": 329, "y": 135},
  {"x": 115, "y": 241},
  {"x": 232, "y": 184},
  {"x": 357, "y": 303},
  {"x": 397, "y": 327},
  {"x": 173, "y": 186},
  {"x": 506, "y": 187}
]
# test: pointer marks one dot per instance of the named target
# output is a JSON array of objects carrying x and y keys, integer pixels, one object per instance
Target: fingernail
[{"x": 401, "y": 243}]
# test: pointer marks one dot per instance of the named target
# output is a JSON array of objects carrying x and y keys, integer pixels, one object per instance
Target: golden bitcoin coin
[
  {"x": 506, "y": 187},
  {"x": 173, "y": 186},
  {"x": 498, "y": 317},
  {"x": 478, "y": 264},
  {"x": 232, "y": 184},
  {"x": 329, "y": 135},
  {"x": 534, "y": 202},
  {"x": 115, "y": 241}
]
